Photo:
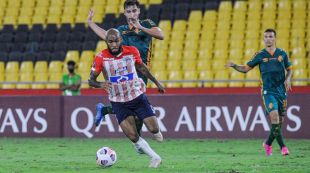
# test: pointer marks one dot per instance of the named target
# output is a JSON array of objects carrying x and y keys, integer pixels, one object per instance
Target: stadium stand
[{"x": 200, "y": 37}]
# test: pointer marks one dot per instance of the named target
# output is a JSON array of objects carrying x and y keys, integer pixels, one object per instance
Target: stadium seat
[
  {"x": 25, "y": 77},
  {"x": 158, "y": 65},
  {"x": 40, "y": 67},
  {"x": 189, "y": 54},
  {"x": 218, "y": 64},
  {"x": 174, "y": 75},
  {"x": 298, "y": 52},
  {"x": 10, "y": 77},
  {"x": 235, "y": 75},
  {"x": 207, "y": 76},
  {"x": 252, "y": 75},
  {"x": 72, "y": 55},
  {"x": 205, "y": 54},
  {"x": 56, "y": 79},
  {"x": 190, "y": 75},
  {"x": 87, "y": 56},
  {"x": 101, "y": 45},
  {"x": 299, "y": 5},
  {"x": 299, "y": 63},
  {"x": 26, "y": 67},
  {"x": 188, "y": 65},
  {"x": 221, "y": 75},
  {"x": 12, "y": 67},
  {"x": 204, "y": 65},
  {"x": 284, "y": 15},
  {"x": 179, "y": 25},
  {"x": 160, "y": 55},
  {"x": 55, "y": 67},
  {"x": 173, "y": 65},
  {"x": 160, "y": 75},
  {"x": 300, "y": 74},
  {"x": 240, "y": 6}
]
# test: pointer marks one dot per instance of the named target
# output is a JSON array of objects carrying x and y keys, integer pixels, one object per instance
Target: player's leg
[
  {"x": 146, "y": 112},
  {"x": 129, "y": 128},
  {"x": 101, "y": 111},
  {"x": 139, "y": 122},
  {"x": 127, "y": 123},
  {"x": 282, "y": 113},
  {"x": 272, "y": 110}
]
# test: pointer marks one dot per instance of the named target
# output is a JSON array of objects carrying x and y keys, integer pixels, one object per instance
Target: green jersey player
[{"x": 276, "y": 72}]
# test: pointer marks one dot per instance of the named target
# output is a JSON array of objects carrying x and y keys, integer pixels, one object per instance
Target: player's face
[
  {"x": 132, "y": 13},
  {"x": 269, "y": 39},
  {"x": 114, "y": 43}
]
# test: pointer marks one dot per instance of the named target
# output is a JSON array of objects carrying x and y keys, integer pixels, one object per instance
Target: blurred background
[{"x": 38, "y": 37}]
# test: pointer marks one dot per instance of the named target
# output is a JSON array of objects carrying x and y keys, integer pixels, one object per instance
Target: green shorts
[{"x": 275, "y": 102}]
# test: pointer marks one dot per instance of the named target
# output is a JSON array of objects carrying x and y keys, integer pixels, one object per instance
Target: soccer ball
[{"x": 106, "y": 157}]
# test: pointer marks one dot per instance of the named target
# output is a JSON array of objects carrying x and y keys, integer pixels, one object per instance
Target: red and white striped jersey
[{"x": 125, "y": 85}]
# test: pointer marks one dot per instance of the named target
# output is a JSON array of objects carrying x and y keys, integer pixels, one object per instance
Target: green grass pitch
[{"x": 19, "y": 155}]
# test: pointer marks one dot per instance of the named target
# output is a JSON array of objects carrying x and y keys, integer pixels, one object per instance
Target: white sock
[
  {"x": 146, "y": 148},
  {"x": 158, "y": 136}
]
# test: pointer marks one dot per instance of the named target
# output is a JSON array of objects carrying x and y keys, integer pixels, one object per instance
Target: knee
[
  {"x": 134, "y": 137},
  {"x": 154, "y": 129}
]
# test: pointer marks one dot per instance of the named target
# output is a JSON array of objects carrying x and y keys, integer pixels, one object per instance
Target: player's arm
[
  {"x": 92, "y": 81},
  {"x": 99, "y": 31},
  {"x": 240, "y": 68},
  {"x": 155, "y": 32},
  {"x": 145, "y": 71},
  {"x": 288, "y": 79}
]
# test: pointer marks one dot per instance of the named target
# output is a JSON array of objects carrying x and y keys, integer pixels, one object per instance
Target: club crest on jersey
[{"x": 280, "y": 58}]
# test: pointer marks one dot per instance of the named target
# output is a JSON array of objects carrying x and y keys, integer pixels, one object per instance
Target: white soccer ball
[{"x": 106, "y": 157}]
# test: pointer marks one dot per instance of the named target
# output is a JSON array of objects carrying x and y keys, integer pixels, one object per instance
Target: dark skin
[{"x": 114, "y": 41}]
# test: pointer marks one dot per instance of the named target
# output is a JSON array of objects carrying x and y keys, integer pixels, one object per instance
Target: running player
[
  {"x": 276, "y": 72},
  {"x": 136, "y": 33},
  {"x": 119, "y": 65}
]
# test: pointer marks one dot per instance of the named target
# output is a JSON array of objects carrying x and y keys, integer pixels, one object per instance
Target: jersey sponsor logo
[
  {"x": 265, "y": 59},
  {"x": 122, "y": 78},
  {"x": 121, "y": 70}
]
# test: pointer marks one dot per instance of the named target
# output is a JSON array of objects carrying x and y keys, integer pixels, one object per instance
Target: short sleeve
[
  {"x": 97, "y": 64},
  {"x": 136, "y": 55},
  {"x": 148, "y": 23},
  {"x": 287, "y": 63},
  {"x": 121, "y": 29},
  {"x": 254, "y": 61}
]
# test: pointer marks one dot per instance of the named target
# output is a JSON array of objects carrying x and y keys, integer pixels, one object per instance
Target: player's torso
[
  {"x": 272, "y": 70},
  {"x": 138, "y": 39},
  {"x": 120, "y": 69}
]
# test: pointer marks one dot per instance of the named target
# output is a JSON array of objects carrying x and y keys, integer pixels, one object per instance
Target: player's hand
[
  {"x": 161, "y": 88},
  {"x": 135, "y": 23},
  {"x": 288, "y": 85},
  {"x": 90, "y": 15},
  {"x": 230, "y": 64}
]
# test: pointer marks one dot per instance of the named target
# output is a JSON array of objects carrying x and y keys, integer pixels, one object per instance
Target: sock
[
  {"x": 146, "y": 148},
  {"x": 107, "y": 110},
  {"x": 279, "y": 137},
  {"x": 271, "y": 136},
  {"x": 139, "y": 124}
]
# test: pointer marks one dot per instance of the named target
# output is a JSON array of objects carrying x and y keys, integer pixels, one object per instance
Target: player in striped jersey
[
  {"x": 119, "y": 65},
  {"x": 138, "y": 33}
]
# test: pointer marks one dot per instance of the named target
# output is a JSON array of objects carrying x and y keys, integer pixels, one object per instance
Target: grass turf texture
[{"x": 179, "y": 156}]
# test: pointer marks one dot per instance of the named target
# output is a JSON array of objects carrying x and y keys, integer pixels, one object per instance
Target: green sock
[
  {"x": 279, "y": 138},
  {"x": 271, "y": 134}
]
